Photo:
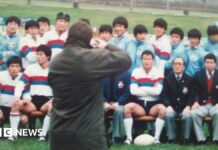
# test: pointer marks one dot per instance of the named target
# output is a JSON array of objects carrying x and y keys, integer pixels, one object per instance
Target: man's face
[
  {"x": 119, "y": 29},
  {"x": 159, "y": 31},
  {"x": 194, "y": 41},
  {"x": 147, "y": 62},
  {"x": 106, "y": 36},
  {"x": 141, "y": 36},
  {"x": 178, "y": 65},
  {"x": 42, "y": 58},
  {"x": 175, "y": 38},
  {"x": 11, "y": 28},
  {"x": 61, "y": 25},
  {"x": 43, "y": 27},
  {"x": 210, "y": 64},
  {"x": 33, "y": 31},
  {"x": 214, "y": 38},
  {"x": 14, "y": 69}
]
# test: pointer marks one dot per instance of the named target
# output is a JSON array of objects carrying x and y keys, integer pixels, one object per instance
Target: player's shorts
[
  {"x": 6, "y": 113},
  {"x": 38, "y": 101},
  {"x": 148, "y": 106}
]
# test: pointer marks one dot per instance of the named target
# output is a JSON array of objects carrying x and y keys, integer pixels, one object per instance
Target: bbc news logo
[{"x": 8, "y": 132}]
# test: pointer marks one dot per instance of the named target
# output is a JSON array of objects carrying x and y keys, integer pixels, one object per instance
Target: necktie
[
  {"x": 210, "y": 75},
  {"x": 177, "y": 78}
]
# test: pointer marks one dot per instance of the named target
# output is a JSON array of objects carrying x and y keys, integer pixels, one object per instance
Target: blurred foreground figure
[{"x": 77, "y": 121}]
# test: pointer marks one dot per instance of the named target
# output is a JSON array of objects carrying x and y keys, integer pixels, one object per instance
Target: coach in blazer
[
  {"x": 206, "y": 101},
  {"x": 177, "y": 96}
]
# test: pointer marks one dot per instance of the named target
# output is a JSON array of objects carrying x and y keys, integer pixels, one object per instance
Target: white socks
[
  {"x": 128, "y": 122},
  {"x": 46, "y": 124},
  {"x": 14, "y": 122},
  {"x": 159, "y": 124}
]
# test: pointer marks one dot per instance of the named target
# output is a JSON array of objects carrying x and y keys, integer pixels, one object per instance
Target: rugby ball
[{"x": 144, "y": 140}]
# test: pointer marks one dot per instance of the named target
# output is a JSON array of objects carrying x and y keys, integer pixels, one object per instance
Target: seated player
[
  {"x": 40, "y": 94},
  {"x": 8, "y": 80},
  {"x": 146, "y": 86}
]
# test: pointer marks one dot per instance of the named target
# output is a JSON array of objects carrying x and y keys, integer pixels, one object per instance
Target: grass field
[
  {"x": 100, "y": 15},
  {"x": 33, "y": 144}
]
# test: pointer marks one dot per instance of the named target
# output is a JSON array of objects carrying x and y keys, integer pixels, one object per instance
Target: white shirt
[
  {"x": 7, "y": 86},
  {"x": 55, "y": 41},
  {"x": 146, "y": 86},
  {"x": 37, "y": 78}
]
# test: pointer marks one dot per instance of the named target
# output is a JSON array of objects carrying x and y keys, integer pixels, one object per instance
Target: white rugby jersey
[
  {"x": 7, "y": 86},
  {"x": 162, "y": 49},
  {"x": 28, "y": 48},
  {"x": 146, "y": 87},
  {"x": 37, "y": 79},
  {"x": 55, "y": 41}
]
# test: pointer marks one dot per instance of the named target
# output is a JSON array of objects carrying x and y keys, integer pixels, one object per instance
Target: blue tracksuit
[
  {"x": 194, "y": 58},
  {"x": 116, "y": 89},
  {"x": 135, "y": 49},
  {"x": 177, "y": 50},
  {"x": 121, "y": 41},
  {"x": 211, "y": 48},
  {"x": 9, "y": 43}
]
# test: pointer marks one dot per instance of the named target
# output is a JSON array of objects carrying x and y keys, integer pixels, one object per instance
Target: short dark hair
[
  {"x": 160, "y": 22},
  {"x": 43, "y": 19},
  {"x": 212, "y": 30},
  {"x": 80, "y": 32},
  {"x": 63, "y": 15},
  {"x": 194, "y": 33},
  {"x": 121, "y": 20},
  {"x": 210, "y": 56},
  {"x": 85, "y": 20},
  {"x": 14, "y": 60},
  {"x": 31, "y": 23},
  {"x": 140, "y": 29},
  {"x": 147, "y": 52},
  {"x": 45, "y": 49},
  {"x": 105, "y": 28},
  {"x": 12, "y": 19},
  {"x": 180, "y": 58},
  {"x": 177, "y": 31}
]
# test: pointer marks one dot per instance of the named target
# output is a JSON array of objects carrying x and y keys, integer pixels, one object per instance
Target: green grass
[
  {"x": 33, "y": 144},
  {"x": 99, "y": 14}
]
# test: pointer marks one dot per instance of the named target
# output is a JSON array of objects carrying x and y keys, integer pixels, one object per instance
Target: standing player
[
  {"x": 161, "y": 42},
  {"x": 29, "y": 43},
  {"x": 44, "y": 25},
  {"x": 122, "y": 38},
  {"x": 194, "y": 53},
  {"x": 57, "y": 37},
  {"x": 9, "y": 41},
  {"x": 176, "y": 39}
]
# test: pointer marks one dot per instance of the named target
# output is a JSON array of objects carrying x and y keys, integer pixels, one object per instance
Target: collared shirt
[
  {"x": 209, "y": 75},
  {"x": 178, "y": 77}
]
